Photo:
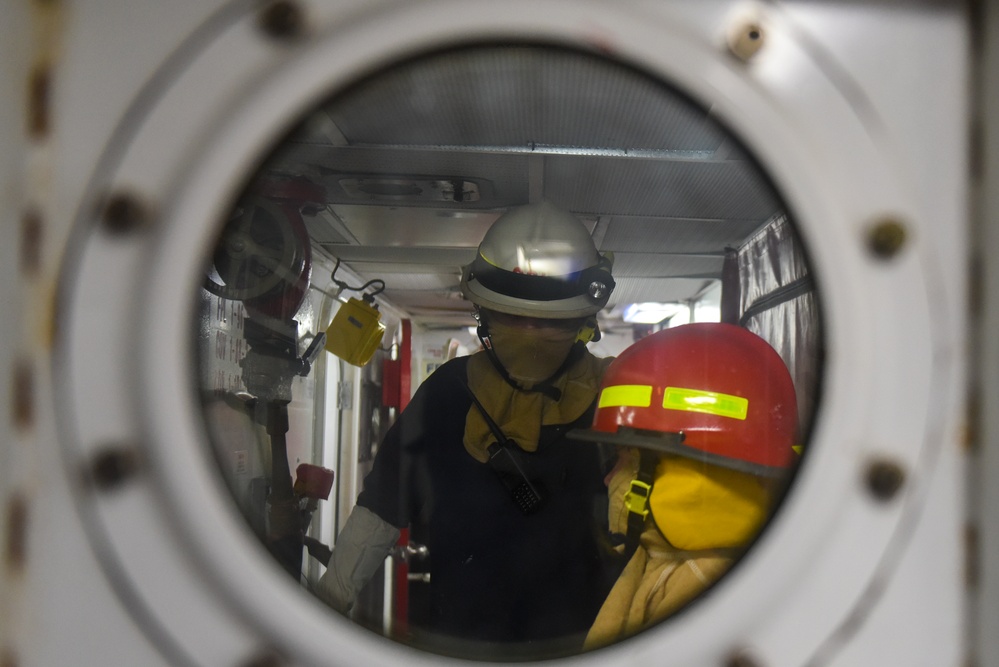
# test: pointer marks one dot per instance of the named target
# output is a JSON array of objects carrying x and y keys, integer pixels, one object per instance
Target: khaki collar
[{"x": 521, "y": 414}]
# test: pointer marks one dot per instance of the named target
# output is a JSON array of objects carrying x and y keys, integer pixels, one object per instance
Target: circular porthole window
[
  {"x": 292, "y": 443},
  {"x": 341, "y": 262}
]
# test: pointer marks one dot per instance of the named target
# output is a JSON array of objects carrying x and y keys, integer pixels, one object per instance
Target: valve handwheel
[{"x": 263, "y": 258}]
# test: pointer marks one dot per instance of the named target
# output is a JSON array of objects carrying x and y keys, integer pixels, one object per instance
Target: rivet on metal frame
[
  {"x": 746, "y": 39},
  {"x": 16, "y": 536},
  {"x": 123, "y": 213},
  {"x": 32, "y": 229},
  {"x": 886, "y": 238},
  {"x": 742, "y": 659},
  {"x": 266, "y": 658},
  {"x": 282, "y": 20},
  {"x": 112, "y": 467},
  {"x": 23, "y": 408},
  {"x": 884, "y": 479},
  {"x": 40, "y": 101}
]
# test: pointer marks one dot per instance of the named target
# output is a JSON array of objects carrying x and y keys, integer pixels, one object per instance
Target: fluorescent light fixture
[{"x": 650, "y": 313}]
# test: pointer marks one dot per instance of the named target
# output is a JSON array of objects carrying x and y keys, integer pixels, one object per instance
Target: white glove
[{"x": 361, "y": 547}]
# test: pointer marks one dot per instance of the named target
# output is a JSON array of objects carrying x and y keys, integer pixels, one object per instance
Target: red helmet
[{"x": 721, "y": 387}]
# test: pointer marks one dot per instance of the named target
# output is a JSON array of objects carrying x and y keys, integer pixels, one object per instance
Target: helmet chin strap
[{"x": 544, "y": 387}]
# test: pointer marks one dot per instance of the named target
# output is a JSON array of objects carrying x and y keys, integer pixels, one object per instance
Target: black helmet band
[{"x": 595, "y": 282}]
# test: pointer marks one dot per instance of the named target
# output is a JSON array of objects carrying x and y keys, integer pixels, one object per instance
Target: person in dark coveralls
[{"x": 477, "y": 464}]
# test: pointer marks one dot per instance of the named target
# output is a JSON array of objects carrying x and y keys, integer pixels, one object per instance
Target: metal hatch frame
[{"x": 173, "y": 547}]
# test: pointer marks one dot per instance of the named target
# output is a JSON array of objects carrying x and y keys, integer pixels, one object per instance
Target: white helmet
[{"x": 538, "y": 261}]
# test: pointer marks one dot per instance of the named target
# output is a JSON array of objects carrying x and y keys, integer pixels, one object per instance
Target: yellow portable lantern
[{"x": 356, "y": 332}]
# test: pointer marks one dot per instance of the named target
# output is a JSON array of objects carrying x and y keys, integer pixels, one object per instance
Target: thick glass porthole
[{"x": 525, "y": 445}]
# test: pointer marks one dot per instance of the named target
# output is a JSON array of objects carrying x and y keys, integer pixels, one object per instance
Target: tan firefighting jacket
[{"x": 658, "y": 580}]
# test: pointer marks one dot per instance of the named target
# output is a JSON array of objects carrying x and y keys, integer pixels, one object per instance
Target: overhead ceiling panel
[
  {"x": 650, "y": 265},
  {"x": 670, "y": 187},
  {"x": 684, "y": 189},
  {"x": 409, "y": 258},
  {"x": 403, "y": 275},
  {"x": 321, "y": 232},
  {"x": 427, "y": 304},
  {"x": 411, "y": 227},
  {"x": 668, "y": 235},
  {"x": 508, "y": 96},
  {"x": 410, "y": 282},
  {"x": 502, "y": 177}
]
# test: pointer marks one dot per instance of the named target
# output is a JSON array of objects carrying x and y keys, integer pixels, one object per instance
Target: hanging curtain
[{"x": 778, "y": 302}]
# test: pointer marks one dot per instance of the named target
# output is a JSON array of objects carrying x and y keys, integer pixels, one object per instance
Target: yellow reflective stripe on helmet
[
  {"x": 709, "y": 402},
  {"x": 626, "y": 395}
]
